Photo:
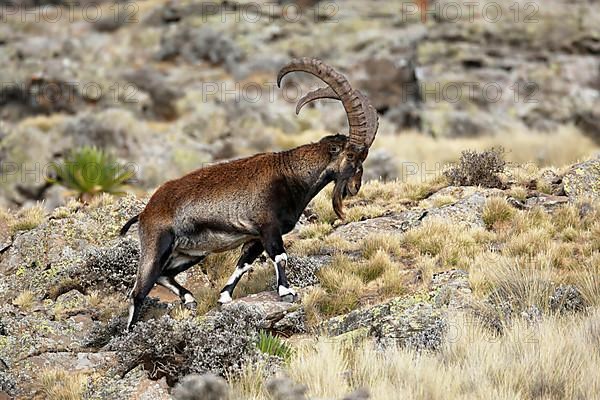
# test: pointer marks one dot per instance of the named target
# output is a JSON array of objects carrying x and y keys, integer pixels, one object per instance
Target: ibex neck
[{"x": 306, "y": 172}]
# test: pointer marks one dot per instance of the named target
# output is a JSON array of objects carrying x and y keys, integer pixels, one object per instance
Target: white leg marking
[
  {"x": 132, "y": 289},
  {"x": 225, "y": 298},
  {"x": 165, "y": 282},
  {"x": 280, "y": 257},
  {"x": 283, "y": 291},
  {"x": 238, "y": 273},
  {"x": 188, "y": 298},
  {"x": 130, "y": 319}
]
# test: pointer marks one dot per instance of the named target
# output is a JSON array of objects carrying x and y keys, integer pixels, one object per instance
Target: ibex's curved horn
[
  {"x": 321, "y": 93},
  {"x": 372, "y": 119},
  {"x": 352, "y": 102}
]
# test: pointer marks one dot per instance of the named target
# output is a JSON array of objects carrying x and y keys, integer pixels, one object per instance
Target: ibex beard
[{"x": 250, "y": 202}]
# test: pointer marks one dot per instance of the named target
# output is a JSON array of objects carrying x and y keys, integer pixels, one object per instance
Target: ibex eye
[{"x": 350, "y": 157}]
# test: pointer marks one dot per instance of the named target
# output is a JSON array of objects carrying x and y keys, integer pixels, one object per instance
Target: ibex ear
[{"x": 335, "y": 149}]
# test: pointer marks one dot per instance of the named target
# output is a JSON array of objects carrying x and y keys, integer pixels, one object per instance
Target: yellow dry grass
[
  {"x": 62, "y": 385},
  {"x": 555, "y": 359}
]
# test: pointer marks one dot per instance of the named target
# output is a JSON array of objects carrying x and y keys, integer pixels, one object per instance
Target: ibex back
[{"x": 250, "y": 202}]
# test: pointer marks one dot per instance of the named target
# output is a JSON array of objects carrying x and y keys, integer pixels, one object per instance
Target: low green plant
[
  {"x": 273, "y": 345},
  {"x": 90, "y": 171}
]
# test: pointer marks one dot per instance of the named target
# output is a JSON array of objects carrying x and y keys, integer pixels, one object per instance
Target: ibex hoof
[
  {"x": 192, "y": 305},
  {"x": 289, "y": 298}
]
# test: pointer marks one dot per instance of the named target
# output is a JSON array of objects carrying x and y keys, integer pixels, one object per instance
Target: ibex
[{"x": 251, "y": 201}]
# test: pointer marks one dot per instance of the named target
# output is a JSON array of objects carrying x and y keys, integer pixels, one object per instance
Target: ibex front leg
[{"x": 273, "y": 243}]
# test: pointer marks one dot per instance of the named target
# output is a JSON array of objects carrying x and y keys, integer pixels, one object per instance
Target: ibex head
[{"x": 347, "y": 154}]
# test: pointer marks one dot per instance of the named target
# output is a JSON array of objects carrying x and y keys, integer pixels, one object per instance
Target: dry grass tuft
[
  {"x": 315, "y": 231},
  {"x": 181, "y": 312},
  {"x": 343, "y": 291},
  {"x": 94, "y": 298},
  {"x": 374, "y": 267},
  {"x": 587, "y": 280},
  {"x": 102, "y": 200},
  {"x": 28, "y": 218},
  {"x": 454, "y": 245},
  {"x": 62, "y": 385},
  {"x": 24, "y": 300},
  {"x": 7, "y": 219},
  {"x": 249, "y": 383},
  {"x": 389, "y": 243},
  {"x": 207, "y": 298},
  {"x": 528, "y": 243},
  {"x": 520, "y": 284},
  {"x": 518, "y": 192},
  {"x": 497, "y": 211},
  {"x": 327, "y": 245},
  {"x": 391, "y": 283}
]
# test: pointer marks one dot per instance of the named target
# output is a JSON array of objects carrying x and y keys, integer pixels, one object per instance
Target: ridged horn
[
  {"x": 321, "y": 93},
  {"x": 372, "y": 119},
  {"x": 351, "y": 100}
]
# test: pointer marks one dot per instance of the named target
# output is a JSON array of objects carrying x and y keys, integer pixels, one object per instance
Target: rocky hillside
[
  {"x": 412, "y": 267},
  {"x": 170, "y": 85}
]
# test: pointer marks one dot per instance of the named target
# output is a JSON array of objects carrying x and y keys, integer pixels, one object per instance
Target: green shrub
[
  {"x": 273, "y": 346},
  {"x": 90, "y": 171}
]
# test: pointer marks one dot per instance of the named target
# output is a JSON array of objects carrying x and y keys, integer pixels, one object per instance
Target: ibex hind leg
[
  {"x": 155, "y": 253},
  {"x": 177, "y": 264}
]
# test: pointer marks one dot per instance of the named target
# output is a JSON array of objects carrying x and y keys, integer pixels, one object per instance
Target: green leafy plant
[
  {"x": 272, "y": 345},
  {"x": 90, "y": 171}
]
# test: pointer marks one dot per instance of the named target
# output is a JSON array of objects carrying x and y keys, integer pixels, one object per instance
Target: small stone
[
  {"x": 201, "y": 387},
  {"x": 285, "y": 389}
]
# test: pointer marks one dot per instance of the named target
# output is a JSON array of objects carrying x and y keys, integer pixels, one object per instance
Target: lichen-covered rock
[
  {"x": 548, "y": 202},
  {"x": 286, "y": 389},
  {"x": 70, "y": 303},
  {"x": 48, "y": 258},
  {"x": 112, "y": 267},
  {"x": 292, "y": 323},
  {"x": 467, "y": 211},
  {"x": 395, "y": 223},
  {"x": 583, "y": 180},
  {"x": 111, "y": 386},
  {"x": 267, "y": 305},
  {"x": 71, "y": 361},
  {"x": 365, "y": 317},
  {"x": 7, "y": 383},
  {"x": 148, "y": 389},
  {"x": 567, "y": 298},
  {"x": 411, "y": 321},
  {"x": 302, "y": 271},
  {"x": 451, "y": 289},
  {"x": 199, "y": 44},
  {"x": 201, "y": 387},
  {"x": 420, "y": 327},
  {"x": 219, "y": 344}
]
